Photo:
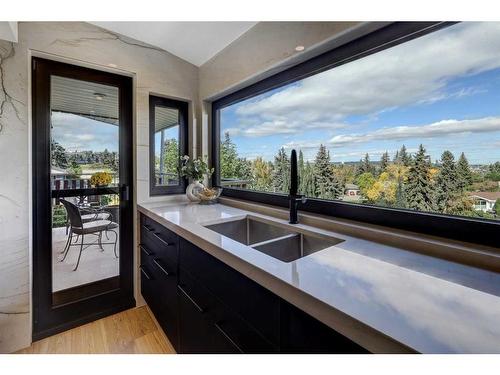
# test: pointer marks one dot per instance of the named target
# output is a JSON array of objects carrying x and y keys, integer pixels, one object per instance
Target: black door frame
[{"x": 47, "y": 318}]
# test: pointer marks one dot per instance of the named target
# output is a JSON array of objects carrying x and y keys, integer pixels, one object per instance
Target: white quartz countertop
[{"x": 377, "y": 295}]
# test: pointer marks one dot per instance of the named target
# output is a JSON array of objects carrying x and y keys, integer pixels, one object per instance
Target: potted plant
[
  {"x": 101, "y": 179},
  {"x": 195, "y": 170}
]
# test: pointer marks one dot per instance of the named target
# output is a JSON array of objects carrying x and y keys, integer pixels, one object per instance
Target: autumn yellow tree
[
  {"x": 262, "y": 174},
  {"x": 384, "y": 189}
]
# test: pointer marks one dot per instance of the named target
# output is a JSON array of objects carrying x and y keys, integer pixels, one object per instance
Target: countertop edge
[{"x": 362, "y": 334}]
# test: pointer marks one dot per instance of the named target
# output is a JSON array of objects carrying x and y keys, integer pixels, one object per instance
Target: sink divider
[{"x": 291, "y": 235}]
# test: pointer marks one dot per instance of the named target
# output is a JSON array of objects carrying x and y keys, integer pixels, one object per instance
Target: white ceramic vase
[{"x": 193, "y": 189}]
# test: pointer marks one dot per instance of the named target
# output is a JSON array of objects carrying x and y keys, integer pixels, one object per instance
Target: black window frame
[
  {"x": 182, "y": 107},
  {"x": 476, "y": 231}
]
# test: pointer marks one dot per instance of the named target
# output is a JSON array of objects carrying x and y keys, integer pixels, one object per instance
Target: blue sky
[
  {"x": 172, "y": 132},
  {"x": 77, "y": 133},
  {"x": 442, "y": 90}
]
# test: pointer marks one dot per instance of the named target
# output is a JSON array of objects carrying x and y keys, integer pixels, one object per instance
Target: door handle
[
  {"x": 125, "y": 193},
  {"x": 149, "y": 229},
  {"x": 162, "y": 240},
  {"x": 146, "y": 251},
  {"x": 145, "y": 273},
  {"x": 228, "y": 338},
  {"x": 198, "y": 307},
  {"x": 162, "y": 269}
]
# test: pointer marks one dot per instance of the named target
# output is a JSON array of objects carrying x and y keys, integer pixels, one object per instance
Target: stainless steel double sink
[{"x": 281, "y": 241}]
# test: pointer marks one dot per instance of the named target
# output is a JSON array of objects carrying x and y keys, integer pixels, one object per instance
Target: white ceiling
[
  {"x": 8, "y": 31},
  {"x": 196, "y": 42}
]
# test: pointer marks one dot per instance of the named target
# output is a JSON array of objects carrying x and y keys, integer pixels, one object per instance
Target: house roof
[
  {"x": 351, "y": 187},
  {"x": 486, "y": 195},
  {"x": 57, "y": 171}
]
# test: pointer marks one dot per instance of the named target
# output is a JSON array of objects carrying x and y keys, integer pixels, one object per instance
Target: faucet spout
[{"x": 294, "y": 198}]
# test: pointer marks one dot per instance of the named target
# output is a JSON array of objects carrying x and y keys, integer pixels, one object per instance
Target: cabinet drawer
[
  {"x": 240, "y": 336},
  {"x": 148, "y": 286},
  {"x": 255, "y": 304},
  {"x": 151, "y": 226},
  {"x": 240, "y": 333},
  {"x": 160, "y": 292},
  {"x": 159, "y": 289},
  {"x": 159, "y": 240},
  {"x": 166, "y": 300},
  {"x": 197, "y": 334},
  {"x": 304, "y": 334}
]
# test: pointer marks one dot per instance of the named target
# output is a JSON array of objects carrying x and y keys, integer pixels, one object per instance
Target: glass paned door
[
  {"x": 83, "y": 245},
  {"x": 84, "y": 177}
]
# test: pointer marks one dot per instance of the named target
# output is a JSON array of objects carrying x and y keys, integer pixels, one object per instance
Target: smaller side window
[{"x": 167, "y": 143}]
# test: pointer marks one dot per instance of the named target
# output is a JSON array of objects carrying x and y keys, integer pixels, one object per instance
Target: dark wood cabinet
[
  {"x": 257, "y": 306},
  {"x": 301, "y": 333},
  {"x": 205, "y": 306},
  {"x": 159, "y": 275},
  {"x": 199, "y": 332}
]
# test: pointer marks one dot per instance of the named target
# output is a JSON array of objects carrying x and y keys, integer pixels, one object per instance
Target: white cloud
[
  {"x": 440, "y": 128},
  {"x": 85, "y": 137},
  {"x": 414, "y": 72},
  {"x": 80, "y": 133},
  {"x": 280, "y": 126}
]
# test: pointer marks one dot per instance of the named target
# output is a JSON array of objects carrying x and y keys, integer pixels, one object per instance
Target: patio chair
[
  {"x": 80, "y": 228},
  {"x": 90, "y": 214}
]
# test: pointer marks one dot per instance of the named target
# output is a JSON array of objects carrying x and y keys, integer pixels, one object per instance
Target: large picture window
[{"x": 414, "y": 127}]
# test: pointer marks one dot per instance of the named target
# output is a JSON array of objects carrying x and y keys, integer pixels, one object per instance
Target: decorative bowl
[{"x": 209, "y": 195}]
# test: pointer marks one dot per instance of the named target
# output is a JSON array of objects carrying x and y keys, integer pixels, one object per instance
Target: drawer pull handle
[
  {"x": 228, "y": 338},
  {"x": 146, "y": 251},
  {"x": 147, "y": 228},
  {"x": 162, "y": 269},
  {"x": 145, "y": 273},
  {"x": 162, "y": 240},
  {"x": 190, "y": 299}
]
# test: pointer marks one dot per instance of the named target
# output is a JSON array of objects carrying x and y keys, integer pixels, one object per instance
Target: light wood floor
[{"x": 130, "y": 332}]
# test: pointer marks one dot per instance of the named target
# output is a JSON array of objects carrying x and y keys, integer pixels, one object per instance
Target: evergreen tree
[
  {"x": 384, "y": 162},
  {"x": 58, "y": 155},
  {"x": 228, "y": 158},
  {"x": 244, "y": 169},
  {"x": 307, "y": 183},
  {"x": 281, "y": 172},
  {"x": 403, "y": 157},
  {"x": 396, "y": 157},
  {"x": 494, "y": 171},
  {"x": 446, "y": 184},
  {"x": 365, "y": 166},
  {"x": 326, "y": 183},
  {"x": 301, "y": 170},
  {"x": 400, "y": 194},
  {"x": 464, "y": 174},
  {"x": 418, "y": 187}
]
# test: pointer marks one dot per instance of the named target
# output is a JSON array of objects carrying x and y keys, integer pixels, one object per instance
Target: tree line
[
  {"x": 404, "y": 181},
  {"x": 72, "y": 161}
]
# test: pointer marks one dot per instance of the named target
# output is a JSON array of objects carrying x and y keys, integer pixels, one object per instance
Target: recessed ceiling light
[
  {"x": 99, "y": 96},
  {"x": 300, "y": 48}
]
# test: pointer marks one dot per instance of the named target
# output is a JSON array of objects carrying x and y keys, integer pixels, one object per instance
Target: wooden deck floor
[{"x": 130, "y": 332}]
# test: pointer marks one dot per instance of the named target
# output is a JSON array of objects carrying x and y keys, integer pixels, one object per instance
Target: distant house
[
  {"x": 484, "y": 200},
  {"x": 58, "y": 173},
  {"x": 352, "y": 193}
]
